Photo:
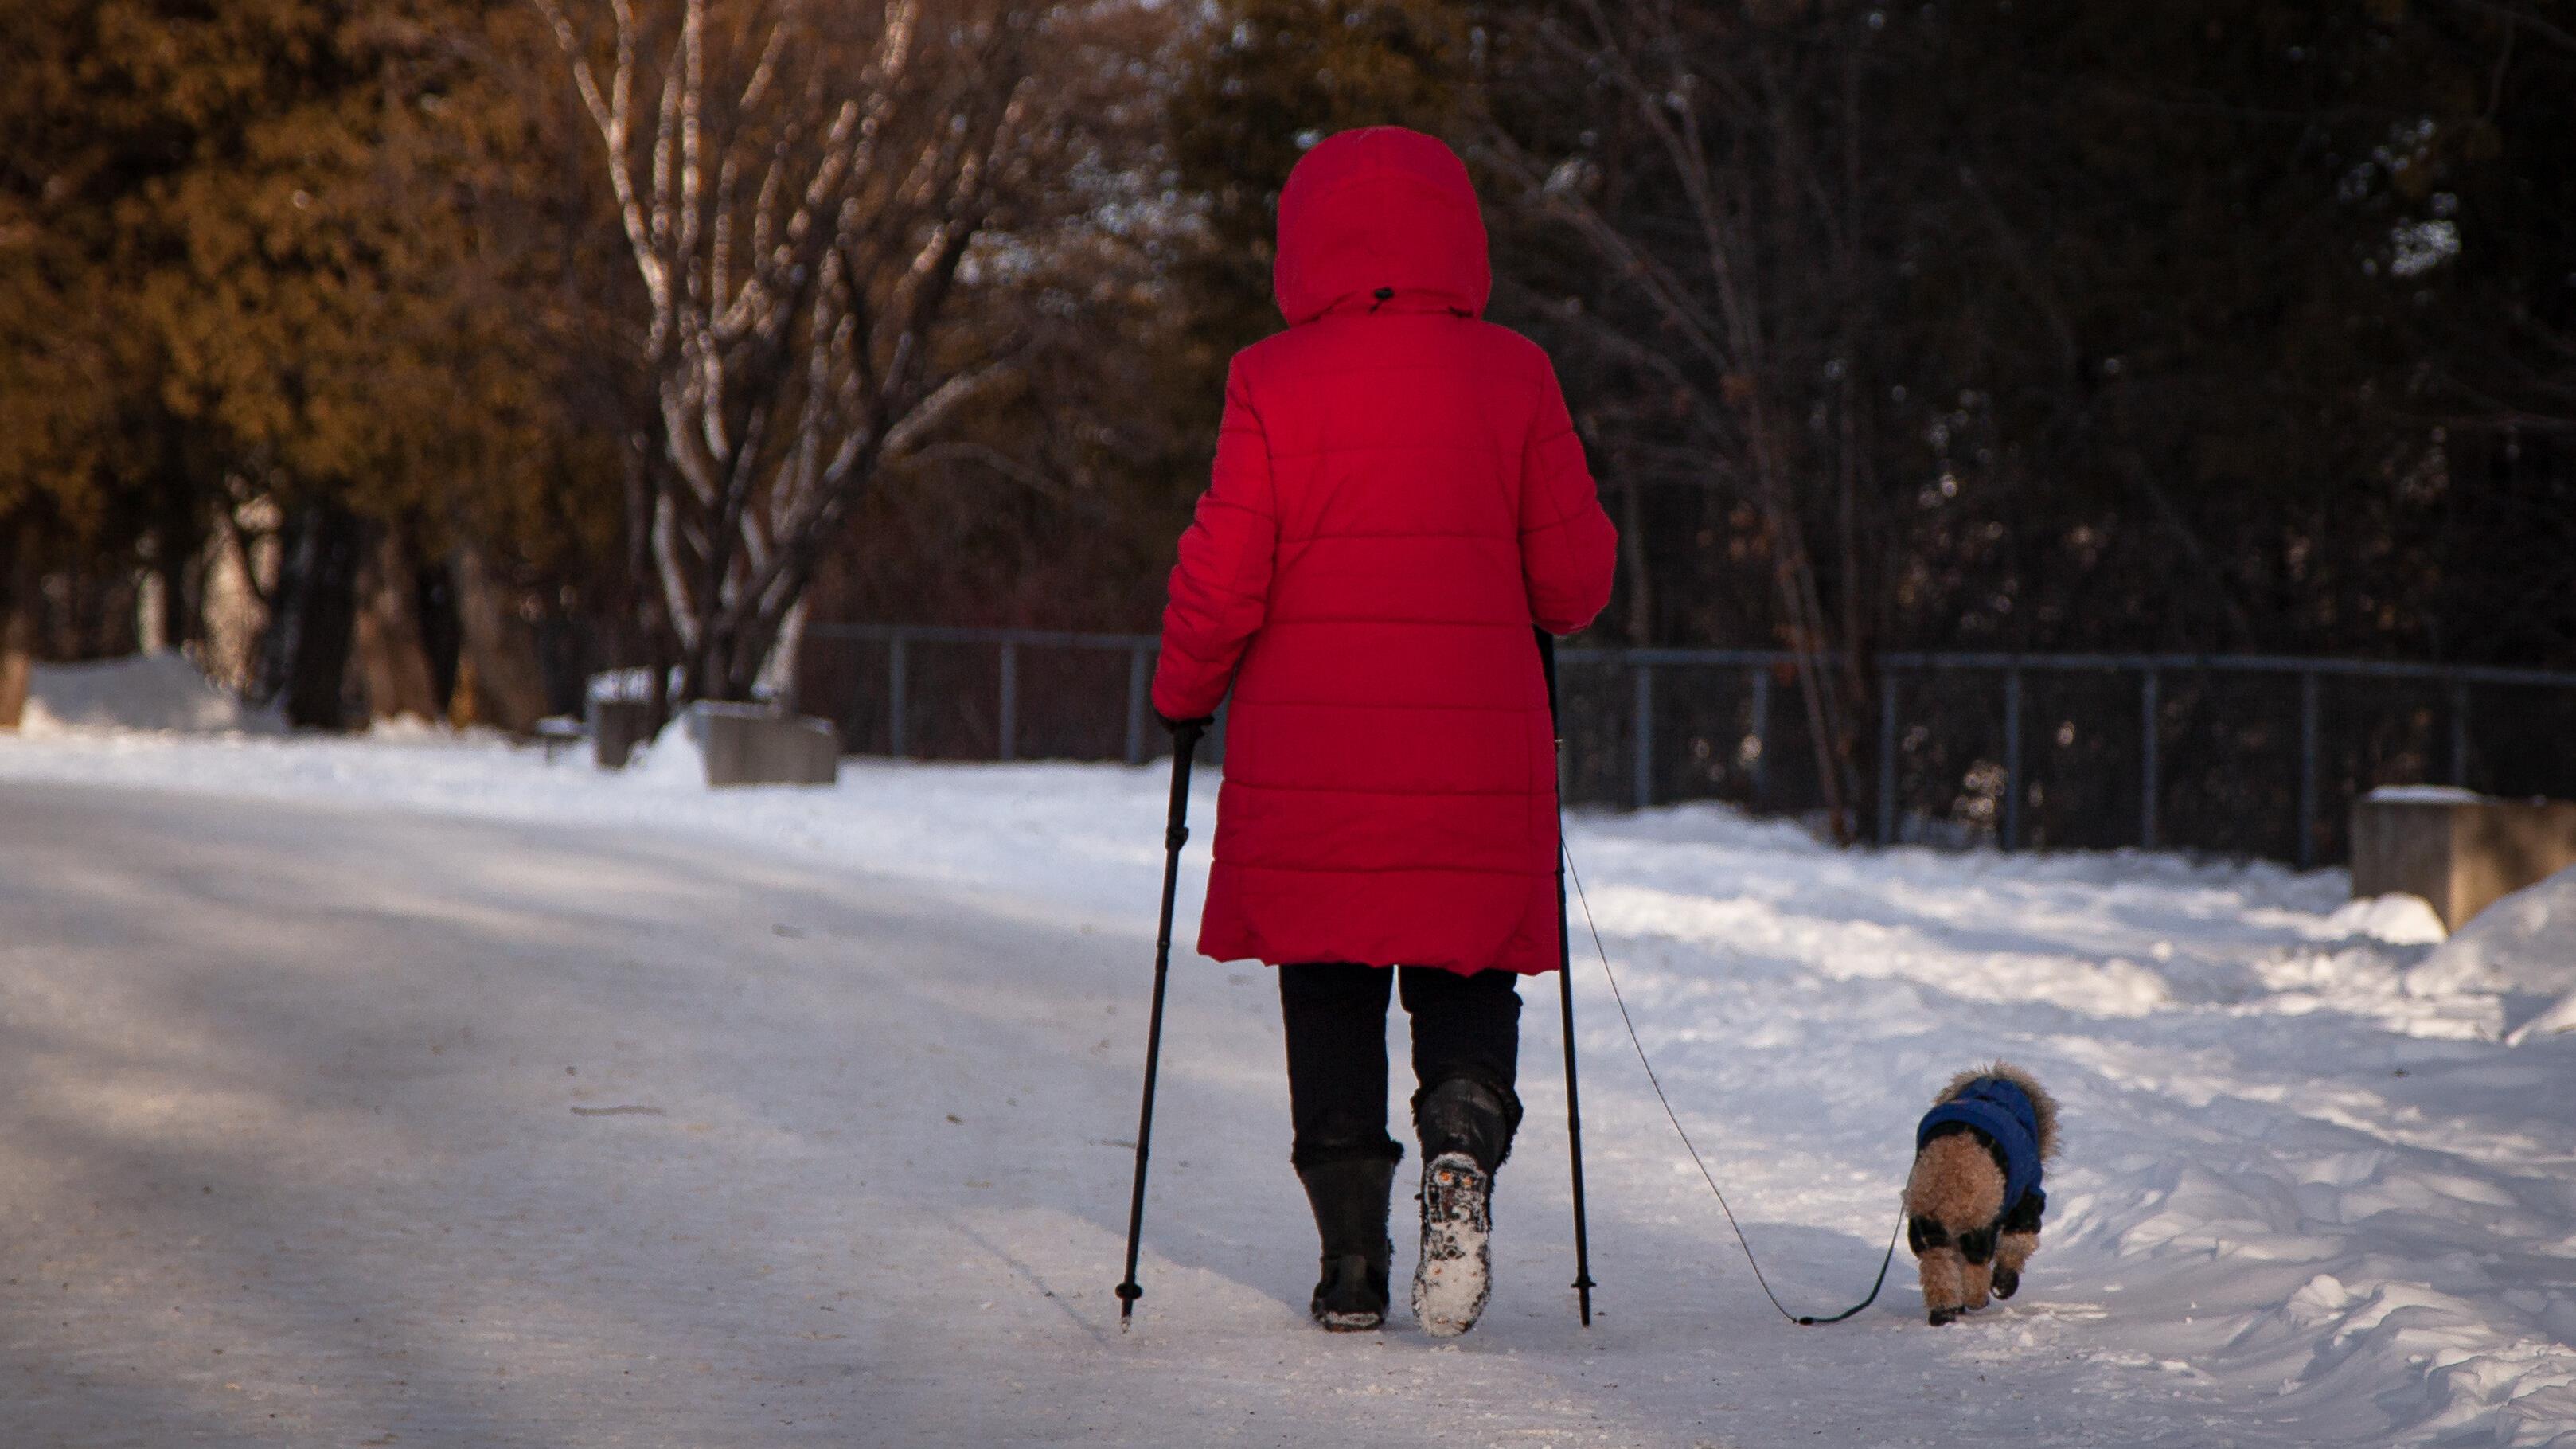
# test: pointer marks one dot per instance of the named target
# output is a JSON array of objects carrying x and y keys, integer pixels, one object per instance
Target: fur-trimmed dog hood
[{"x": 2013, "y": 1113}]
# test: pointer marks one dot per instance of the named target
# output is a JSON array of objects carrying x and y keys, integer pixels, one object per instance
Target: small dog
[{"x": 1972, "y": 1203}]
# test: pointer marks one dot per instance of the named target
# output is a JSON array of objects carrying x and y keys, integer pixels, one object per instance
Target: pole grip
[{"x": 1185, "y": 751}]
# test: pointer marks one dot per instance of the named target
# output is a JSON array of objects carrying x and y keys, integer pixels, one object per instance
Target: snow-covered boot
[
  {"x": 1349, "y": 1197},
  {"x": 1465, "y": 1133}
]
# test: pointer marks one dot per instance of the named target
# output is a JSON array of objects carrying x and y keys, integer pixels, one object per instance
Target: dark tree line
[{"x": 2191, "y": 327}]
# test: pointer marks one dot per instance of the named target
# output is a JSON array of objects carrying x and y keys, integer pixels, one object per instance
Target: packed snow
[{"x": 424, "y": 1091}]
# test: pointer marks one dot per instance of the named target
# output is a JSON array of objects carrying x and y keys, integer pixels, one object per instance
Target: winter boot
[
  {"x": 1349, "y": 1197},
  {"x": 1465, "y": 1133}
]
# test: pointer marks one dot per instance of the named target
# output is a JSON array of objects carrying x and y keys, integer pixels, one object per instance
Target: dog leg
[
  {"x": 2012, "y": 1253},
  {"x": 1944, "y": 1291},
  {"x": 1973, "y": 1284}
]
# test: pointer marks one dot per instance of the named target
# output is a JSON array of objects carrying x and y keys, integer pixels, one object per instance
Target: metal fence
[
  {"x": 2229, "y": 754},
  {"x": 926, "y": 692},
  {"x": 2255, "y": 755}
]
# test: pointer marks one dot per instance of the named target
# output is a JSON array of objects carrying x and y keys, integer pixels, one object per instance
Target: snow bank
[
  {"x": 672, "y": 760},
  {"x": 2522, "y": 950},
  {"x": 2397, "y": 918},
  {"x": 161, "y": 691}
]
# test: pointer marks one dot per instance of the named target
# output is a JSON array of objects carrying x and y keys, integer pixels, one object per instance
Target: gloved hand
[{"x": 1200, "y": 725}]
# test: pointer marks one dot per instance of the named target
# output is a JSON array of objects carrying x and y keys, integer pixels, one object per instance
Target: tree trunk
[
  {"x": 323, "y": 608},
  {"x": 178, "y": 558},
  {"x": 778, "y": 669},
  {"x": 1641, "y": 585},
  {"x": 17, "y": 633},
  {"x": 234, "y": 608},
  {"x": 393, "y": 659},
  {"x": 733, "y": 662},
  {"x": 509, "y": 687},
  {"x": 654, "y": 646}
]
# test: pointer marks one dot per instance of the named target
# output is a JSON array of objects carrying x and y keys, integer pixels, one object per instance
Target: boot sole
[{"x": 1454, "y": 1276}]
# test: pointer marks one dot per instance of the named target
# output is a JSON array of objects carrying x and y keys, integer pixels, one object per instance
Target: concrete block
[
  {"x": 2459, "y": 851},
  {"x": 617, "y": 726},
  {"x": 749, "y": 744}
]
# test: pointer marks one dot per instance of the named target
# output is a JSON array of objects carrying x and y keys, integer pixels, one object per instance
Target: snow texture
[{"x": 419, "y": 1092}]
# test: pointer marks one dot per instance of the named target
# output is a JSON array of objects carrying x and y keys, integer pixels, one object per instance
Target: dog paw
[
  {"x": 2007, "y": 1282},
  {"x": 1944, "y": 1316}
]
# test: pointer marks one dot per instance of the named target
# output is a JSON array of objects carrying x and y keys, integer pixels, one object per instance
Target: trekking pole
[
  {"x": 1176, "y": 831},
  {"x": 1565, "y": 999}
]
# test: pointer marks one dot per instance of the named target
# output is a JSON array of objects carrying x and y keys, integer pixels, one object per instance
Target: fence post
[
  {"x": 1887, "y": 754},
  {"x": 1138, "y": 675},
  {"x": 1761, "y": 730},
  {"x": 894, "y": 697},
  {"x": 2149, "y": 726},
  {"x": 2460, "y": 733},
  {"x": 2308, "y": 692},
  {"x": 2012, "y": 759},
  {"x": 1643, "y": 765},
  {"x": 1010, "y": 726}
]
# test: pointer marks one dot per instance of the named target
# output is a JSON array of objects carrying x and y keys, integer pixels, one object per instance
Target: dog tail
[{"x": 2043, "y": 1107}]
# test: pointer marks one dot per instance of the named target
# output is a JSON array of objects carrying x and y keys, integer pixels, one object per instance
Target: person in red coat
[{"x": 1398, "y": 498}]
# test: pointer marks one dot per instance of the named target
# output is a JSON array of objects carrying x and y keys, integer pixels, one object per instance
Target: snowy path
[{"x": 307, "y": 1134}]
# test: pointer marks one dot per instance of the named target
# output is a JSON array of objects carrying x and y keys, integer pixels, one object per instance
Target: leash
[{"x": 1802, "y": 1320}]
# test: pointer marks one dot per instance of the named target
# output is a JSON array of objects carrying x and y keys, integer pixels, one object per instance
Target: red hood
[{"x": 1381, "y": 208}]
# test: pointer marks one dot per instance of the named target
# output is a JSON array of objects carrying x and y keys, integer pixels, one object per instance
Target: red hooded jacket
[{"x": 1398, "y": 496}]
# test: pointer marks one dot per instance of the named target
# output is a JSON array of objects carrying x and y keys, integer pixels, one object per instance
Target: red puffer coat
[{"x": 1398, "y": 496}]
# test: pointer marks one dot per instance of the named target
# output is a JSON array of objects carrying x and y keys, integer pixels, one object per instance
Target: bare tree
[
  {"x": 1744, "y": 268},
  {"x": 801, "y": 186}
]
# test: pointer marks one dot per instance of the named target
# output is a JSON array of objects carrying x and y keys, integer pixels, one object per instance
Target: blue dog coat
[{"x": 2002, "y": 1111}]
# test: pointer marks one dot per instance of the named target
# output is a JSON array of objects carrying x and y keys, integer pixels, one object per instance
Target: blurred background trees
[
  {"x": 279, "y": 341},
  {"x": 329, "y": 350}
]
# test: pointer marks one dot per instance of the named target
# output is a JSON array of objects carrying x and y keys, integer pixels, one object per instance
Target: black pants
[{"x": 1463, "y": 1026}]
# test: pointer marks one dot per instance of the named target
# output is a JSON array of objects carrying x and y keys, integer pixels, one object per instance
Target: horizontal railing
[{"x": 2240, "y": 663}]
